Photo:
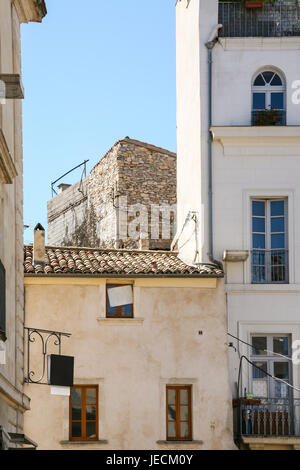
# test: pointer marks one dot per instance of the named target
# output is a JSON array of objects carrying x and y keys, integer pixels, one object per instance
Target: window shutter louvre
[{"x": 2, "y": 303}]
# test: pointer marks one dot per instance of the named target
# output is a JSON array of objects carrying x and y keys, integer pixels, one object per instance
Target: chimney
[
  {"x": 62, "y": 187},
  {"x": 39, "y": 251}
]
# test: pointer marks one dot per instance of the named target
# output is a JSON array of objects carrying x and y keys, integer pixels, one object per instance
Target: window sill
[
  {"x": 121, "y": 321},
  {"x": 179, "y": 442},
  {"x": 102, "y": 441}
]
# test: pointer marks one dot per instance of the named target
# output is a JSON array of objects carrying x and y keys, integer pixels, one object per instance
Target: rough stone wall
[{"x": 131, "y": 171}]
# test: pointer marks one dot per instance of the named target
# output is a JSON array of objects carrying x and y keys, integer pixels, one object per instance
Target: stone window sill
[
  {"x": 102, "y": 441},
  {"x": 178, "y": 442},
  {"x": 121, "y": 321}
]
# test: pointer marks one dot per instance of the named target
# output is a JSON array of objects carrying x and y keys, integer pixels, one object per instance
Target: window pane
[
  {"x": 111, "y": 310},
  {"x": 259, "y": 241},
  {"x": 76, "y": 395},
  {"x": 268, "y": 76},
  {"x": 171, "y": 429},
  {"x": 277, "y": 241},
  {"x": 90, "y": 412},
  {"x": 76, "y": 429},
  {"x": 127, "y": 310},
  {"x": 281, "y": 345},
  {"x": 76, "y": 412},
  {"x": 184, "y": 430},
  {"x": 184, "y": 413},
  {"x": 259, "y": 344},
  {"x": 259, "y": 369},
  {"x": 277, "y": 100},
  {"x": 184, "y": 397},
  {"x": 259, "y": 81},
  {"x": 259, "y": 100},
  {"x": 172, "y": 413},
  {"x": 91, "y": 432},
  {"x": 281, "y": 370},
  {"x": 171, "y": 396},
  {"x": 258, "y": 225},
  {"x": 276, "y": 81},
  {"x": 277, "y": 208},
  {"x": 91, "y": 396},
  {"x": 260, "y": 388},
  {"x": 258, "y": 208},
  {"x": 277, "y": 224}
]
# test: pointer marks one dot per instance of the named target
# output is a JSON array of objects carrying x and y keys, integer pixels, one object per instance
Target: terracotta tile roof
[{"x": 97, "y": 262}]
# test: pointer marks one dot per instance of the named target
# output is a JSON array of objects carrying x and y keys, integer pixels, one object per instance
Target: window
[
  {"x": 84, "y": 413},
  {"x": 268, "y": 91},
  {"x": 267, "y": 354},
  {"x": 2, "y": 303},
  {"x": 269, "y": 241},
  {"x": 179, "y": 412},
  {"x": 119, "y": 301}
]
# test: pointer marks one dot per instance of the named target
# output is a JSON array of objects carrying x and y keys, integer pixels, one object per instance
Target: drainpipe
[{"x": 210, "y": 45}]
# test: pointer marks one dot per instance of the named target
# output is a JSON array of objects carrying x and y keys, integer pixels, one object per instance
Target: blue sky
[{"x": 93, "y": 74}]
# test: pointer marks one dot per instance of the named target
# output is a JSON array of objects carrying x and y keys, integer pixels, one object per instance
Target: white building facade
[{"x": 238, "y": 123}]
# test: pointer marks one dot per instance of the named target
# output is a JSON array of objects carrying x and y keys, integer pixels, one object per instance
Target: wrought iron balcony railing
[
  {"x": 281, "y": 121},
  {"x": 272, "y": 20},
  {"x": 269, "y": 266},
  {"x": 267, "y": 417}
]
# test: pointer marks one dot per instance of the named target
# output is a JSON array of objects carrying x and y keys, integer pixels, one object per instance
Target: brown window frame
[
  {"x": 83, "y": 420},
  {"x": 177, "y": 388},
  {"x": 119, "y": 308}
]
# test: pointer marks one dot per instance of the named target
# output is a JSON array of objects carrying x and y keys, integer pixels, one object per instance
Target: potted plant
[
  {"x": 254, "y": 3},
  {"x": 267, "y": 117}
]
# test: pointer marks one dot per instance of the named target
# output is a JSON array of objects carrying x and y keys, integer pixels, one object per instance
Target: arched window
[{"x": 268, "y": 91}]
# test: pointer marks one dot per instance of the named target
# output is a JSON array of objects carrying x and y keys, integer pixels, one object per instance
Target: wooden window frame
[
  {"x": 83, "y": 420},
  {"x": 177, "y": 388},
  {"x": 119, "y": 308}
]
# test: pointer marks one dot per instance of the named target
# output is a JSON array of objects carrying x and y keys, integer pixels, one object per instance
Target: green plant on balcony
[{"x": 267, "y": 117}]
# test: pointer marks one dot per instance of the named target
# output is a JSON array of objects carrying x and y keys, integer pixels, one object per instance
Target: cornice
[
  {"x": 7, "y": 167},
  {"x": 260, "y": 43},
  {"x": 30, "y": 10}
]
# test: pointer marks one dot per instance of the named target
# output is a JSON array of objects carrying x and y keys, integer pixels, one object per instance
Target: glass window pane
[
  {"x": 172, "y": 413},
  {"x": 172, "y": 430},
  {"x": 277, "y": 100},
  {"x": 259, "y": 344},
  {"x": 259, "y": 369},
  {"x": 258, "y": 208},
  {"x": 91, "y": 396},
  {"x": 276, "y": 81},
  {"x": 127, "y": 310},
  {"x": 184, "y": 430},
  {"x": 259, "y": 100},
  {"x": 281, "y": 370},
  {"x": 268, "y": 76},
  {"x": 260, "y": 388},
  {"x": 184, "y": 397},
  {"x": 76, "y": 412},
  {"x": 258, "y": 241},
  {"x": 76, "y": 429},
  {"x": 76, "y": 395},
  {"x": 277, "y": 208},
  {"x": 258, "y": 225},
  {"x": 277, "y": 241},
  {"x": 91, "y": 430},
  {"x": 281, "y": 345},
  {"x": 171, "y": 396},
  {"x": 90, "y": 412},
  {"x": 259, "y": 81},
  {"x": 184, "y": 413},
  {"x": 277, "y": 224}
]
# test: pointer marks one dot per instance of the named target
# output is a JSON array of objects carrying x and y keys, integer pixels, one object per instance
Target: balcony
[
  {"x": 271, "y": 420},
  {"x": 280, "y": 122},
  {"x": 281, "y": 19}
]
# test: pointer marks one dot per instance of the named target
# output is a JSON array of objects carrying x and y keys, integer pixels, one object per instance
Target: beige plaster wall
[{"x": 132, "y": 361}]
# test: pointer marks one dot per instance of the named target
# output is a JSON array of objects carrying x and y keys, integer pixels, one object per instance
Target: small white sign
[
  {"x": 119, "y": 296},
  {"x": 64, "y": 391},
  {"x": 2, "y": 353}
]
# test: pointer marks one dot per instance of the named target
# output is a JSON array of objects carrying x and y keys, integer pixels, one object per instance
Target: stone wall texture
[{"x": 103, "y": 209}]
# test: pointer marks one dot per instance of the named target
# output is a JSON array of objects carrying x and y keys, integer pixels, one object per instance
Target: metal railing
[
  {"x": 269, "y": 266},
  {"x": 267, "y": 417},
  {"x": 273, "y": 20},
  {"x": 281, "y": 121}
]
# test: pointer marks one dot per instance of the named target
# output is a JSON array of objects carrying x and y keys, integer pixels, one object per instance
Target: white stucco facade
[{"x": 248, "y": 162}]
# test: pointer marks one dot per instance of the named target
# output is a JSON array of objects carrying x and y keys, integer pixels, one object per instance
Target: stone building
[
  {"x": 127, "y": 201},
  {"x": 13, "y": 401}
]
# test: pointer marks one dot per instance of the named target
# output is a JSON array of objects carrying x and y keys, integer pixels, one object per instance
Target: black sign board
[{"x": 60, "y": 370}]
